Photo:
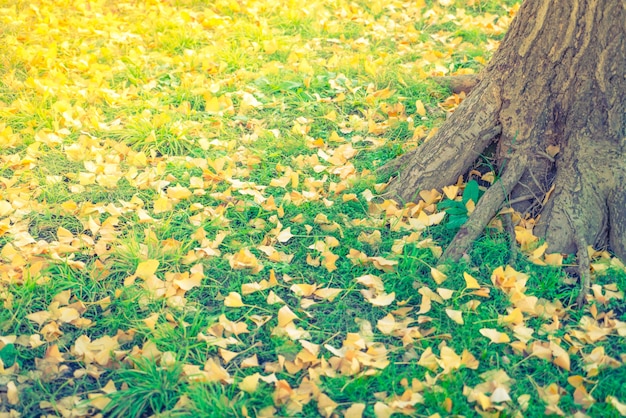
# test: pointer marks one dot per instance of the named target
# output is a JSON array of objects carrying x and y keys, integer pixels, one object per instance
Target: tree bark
[{"x": 557, "y": 82}]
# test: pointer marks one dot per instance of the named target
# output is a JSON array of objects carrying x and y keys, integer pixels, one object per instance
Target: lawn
[{"x": 192, "y": 222}]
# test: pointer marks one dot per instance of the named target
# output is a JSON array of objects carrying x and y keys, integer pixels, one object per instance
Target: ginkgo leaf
[
  {"x": 470, "y": 282},
  {"x": 419, "y": 108},
  {"x": 273, "y": 298},
  {"x": 13, "y": 395},
  {"x": 382, "y": 299},
  {"x": 387, "y": 324},
  {"x": 327, "y": 293},
  {"x": 494, "y": 335},
  {"x": 328, "y": 261},
  {"x": 178, "y": 192},
  {"x": 500, "y": 395},
  {"x": 285, "y": 316},
  {"x": 250, "y": 383},
  {"x": 252, "y": 361},
  {"x": 244, "y": 259},
  {"x": 382, "y": 410},
  {"x": 227, "y": 355},
  {"x": 354, "y": 411},
  {"x": 445, "y": 294},
  {"x": 620, "y": 406},
  {"x": 147, "y": 269},
  {"x": 284, "y": 235},
  {"x": 326, "y": 405},
  {"x": 371, "y": 281},
  {"x": 449, "y": 360},
  {"x": 383, "y": 264},
  {"x": 456, "y": 316},
  {"x": 303, "y": 289},
  {"x": 438, "y": 276},
  {"x": 233, "y": 300}
]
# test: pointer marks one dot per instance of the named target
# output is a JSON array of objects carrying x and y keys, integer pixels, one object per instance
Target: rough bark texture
[{"x": 557, "y": 80}]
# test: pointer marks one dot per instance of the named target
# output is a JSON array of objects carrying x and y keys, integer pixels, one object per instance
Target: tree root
[
  {"x": 459, "y": 83},
  {"x": 583, "y": 261},
  {"x": 510, "y": 230},
  {"x": 486, "y": 209}
]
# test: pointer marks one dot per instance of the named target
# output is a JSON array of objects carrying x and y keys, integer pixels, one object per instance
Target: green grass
[{"x": 132, "y": 107}]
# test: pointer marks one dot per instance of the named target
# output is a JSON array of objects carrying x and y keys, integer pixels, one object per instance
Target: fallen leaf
[
  {"x": 456, "y": 316},
  {"x": 470, "y": 282},
  {"x": 233, "y": 300},
  {"x": 494, "y": 335}
]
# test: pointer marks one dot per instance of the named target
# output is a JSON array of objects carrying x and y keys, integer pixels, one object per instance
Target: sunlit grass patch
[{"x": 192, "y": 223}]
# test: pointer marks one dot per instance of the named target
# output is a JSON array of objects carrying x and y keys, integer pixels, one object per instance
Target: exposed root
[
  {"x": 510, "y": 230},
  {"x": 392, "y": 167},
  {"x": 486, "y": 209},
  {"x": 459, "y": 83},
  {"x": 583, "y": 262},
  {"x": 617, "y": 220}
]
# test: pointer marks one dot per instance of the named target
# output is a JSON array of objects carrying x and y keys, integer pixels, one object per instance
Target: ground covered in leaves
[{"x": 191, "y": 223}]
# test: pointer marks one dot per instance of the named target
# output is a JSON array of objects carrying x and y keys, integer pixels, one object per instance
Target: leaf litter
[{"x": 192, "y": 186}]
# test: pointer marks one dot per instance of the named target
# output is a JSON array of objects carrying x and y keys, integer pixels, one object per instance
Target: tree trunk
[{"x": 557, "y": 83}]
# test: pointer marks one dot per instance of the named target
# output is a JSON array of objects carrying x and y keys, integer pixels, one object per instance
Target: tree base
[{"x": 552, "y": 101}]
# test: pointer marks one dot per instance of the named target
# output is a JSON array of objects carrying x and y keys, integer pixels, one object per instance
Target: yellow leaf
[
  {"x": 233, "y": 300},
  {"x": 500, "y": 395},
  {"x": 621, "y": 407},
  {"x": 425, "y": 305},
  {"x": 437, "y": 275},
  {"x": 494, "y": 335},
  {"x": 515, "y": 317},
  {"x": 273, "y": 298},
  {"x": 329, "y": 260},
  {"x": 445, "y": 293},
  {"x": 325, "y": 405},
  {"x": 227, "y": 355},
  {"x": 215, "y": 372},
  {"x": 554, "y": 259},
  {"x": 178, "y": 192},
  {"x": 248, "y": 288},
  {"x": 419, "y": 108},
  {"x": 383, "y": 264},
  {"x": 561, "y": 357},
  {"x": 371, "y": 281},
  {"x": 387, "y": 324},
  {"x": 285, "y": 316},
  {"x": 252, "y": 361},
  {"x": 244, "y": 259},
  {"x": 456, "y": 316},
  {"x": 284, "y": 235},
  {"x": 470, "y": 282},
  {"x": 151, "y": 321},
  {"x": 331, "y": 116},
  {"x": 355, "y": 411},
  {"x": 382, "y": 411},
  {"x": 13, "y": 395},
  {"x": 382, "y": 299},
  {"x": 451, "y": 191},
  {"x": 428, "y": 360},
  {"x": 449, "y": 360},
  {"x": 327, "y": 293},
  {"x": 146, "y": 269},
  {"x": 250, "y": 383},
  {"x": 303, "y": 289}
]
